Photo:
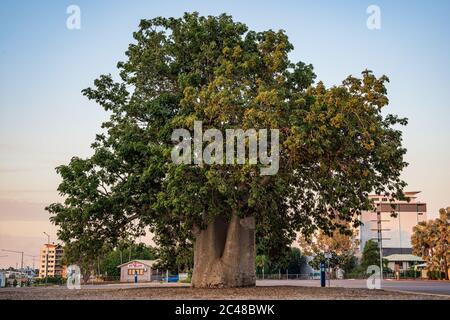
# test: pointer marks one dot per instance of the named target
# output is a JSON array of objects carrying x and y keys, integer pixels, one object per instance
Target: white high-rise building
[{"x": 396, "y": 231}]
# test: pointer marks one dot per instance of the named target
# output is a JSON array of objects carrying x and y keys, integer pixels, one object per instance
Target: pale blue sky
[{"x": 44, "y": 119}]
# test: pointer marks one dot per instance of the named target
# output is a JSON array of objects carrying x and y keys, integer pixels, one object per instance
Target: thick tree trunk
[{"x": 224, "y": 254}]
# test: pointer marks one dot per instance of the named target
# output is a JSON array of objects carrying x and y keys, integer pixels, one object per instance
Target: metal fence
[
  {"x": 287, "y": 276},
  {"x": 161, "y": 277},
  {"x": 404, "y": 274}
]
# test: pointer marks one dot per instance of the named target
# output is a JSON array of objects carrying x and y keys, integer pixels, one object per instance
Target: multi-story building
[
  {"x": 395, "y": 231},
  {"x": 50, "y": 261}
]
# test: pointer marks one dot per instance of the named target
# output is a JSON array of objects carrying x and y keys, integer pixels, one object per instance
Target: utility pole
[
  {"x": 380, "y": 245},
  {"x": 29, "y": 255},
  {"x": 46, "y": 256},
  {"x": 21, "y": 260},
  {"x": 328, "y": 256}
]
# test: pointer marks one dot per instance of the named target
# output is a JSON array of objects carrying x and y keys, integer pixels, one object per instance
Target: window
[
  {"x": 138, "y": 271},
  {"x": 384, "y": 199}
]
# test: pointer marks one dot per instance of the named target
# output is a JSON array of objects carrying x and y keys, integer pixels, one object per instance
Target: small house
[
  {"x": 141, "y": 268},
  {"x": 402, "y": 262}
]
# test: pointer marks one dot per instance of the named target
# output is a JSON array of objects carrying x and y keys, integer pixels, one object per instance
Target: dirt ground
[{"x": 182, "y": 293}]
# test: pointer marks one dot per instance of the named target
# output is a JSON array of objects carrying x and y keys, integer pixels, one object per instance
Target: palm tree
[
  {"x": 431, "y": 240},
  {"x": 261, "y": 262}
]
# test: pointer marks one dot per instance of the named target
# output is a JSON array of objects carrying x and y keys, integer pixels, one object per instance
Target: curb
[{"x": 418, "y": 293}]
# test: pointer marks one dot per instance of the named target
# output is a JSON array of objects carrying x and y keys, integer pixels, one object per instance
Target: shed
[
  {"x": 142, "y": 268},
  {"x": 399, "y": 262}
]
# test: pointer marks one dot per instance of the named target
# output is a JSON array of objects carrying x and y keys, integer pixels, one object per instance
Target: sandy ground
[{"x": 181, "y": 293}]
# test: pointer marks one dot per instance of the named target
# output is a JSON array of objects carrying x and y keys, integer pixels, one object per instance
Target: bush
[
  {"x": 411, "y": 273},
  {"x": 50, "y": 280},
  {"x": 436, "y": 275},
  {"x": 187, "y": 280}
]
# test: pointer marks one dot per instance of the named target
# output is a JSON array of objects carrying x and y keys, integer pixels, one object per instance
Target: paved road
[{"x": 421, "y": 286}]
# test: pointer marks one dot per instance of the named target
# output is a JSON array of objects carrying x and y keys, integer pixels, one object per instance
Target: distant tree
[
  {"x": 123, "y": 253},
  {"x": 350, "y": 265},
  {"x": 261, "y": 263},
  {"x": 174, "y": 257},
  {"x": 370, "y": 255},
  {"x": 332, "y": 262},
  {"x": 342, "y": 242},
  {"x": 292, "y": 260},
  {"x": 85, "y": 255},
  {"x": 431, "y": 241},
  {"x": 296, "y": 261}
]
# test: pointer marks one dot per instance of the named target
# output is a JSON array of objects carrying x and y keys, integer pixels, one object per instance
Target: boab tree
[{"x": 335, "y": 148}]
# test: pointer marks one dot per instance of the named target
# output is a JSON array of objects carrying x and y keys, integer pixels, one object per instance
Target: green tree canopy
[
  {"x": 123, "y": 253},
  {"x": 336, "y": 146},
  {"x": 370, "y": 255}
]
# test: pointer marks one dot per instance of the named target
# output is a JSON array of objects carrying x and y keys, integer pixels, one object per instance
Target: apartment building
[
  {"x": 50, "y": 261},
  {"x": 395, "y": 232}
]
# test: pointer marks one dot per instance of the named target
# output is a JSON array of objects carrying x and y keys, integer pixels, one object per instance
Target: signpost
[
  {"x": 135, "y": 265},
  {"x": 322, "y": 274}
]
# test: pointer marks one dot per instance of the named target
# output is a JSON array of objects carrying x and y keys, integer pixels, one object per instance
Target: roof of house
[
  {"x": 148, "y": 263},
  {"x": 404, "y": 257},
  {"x": 422, "y": 265}
]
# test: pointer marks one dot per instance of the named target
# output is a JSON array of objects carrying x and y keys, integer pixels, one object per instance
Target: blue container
[{"x": 173, "y": 279}]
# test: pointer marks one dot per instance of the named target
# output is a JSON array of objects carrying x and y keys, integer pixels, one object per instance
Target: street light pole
[{"x": 48, "y": 237}]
